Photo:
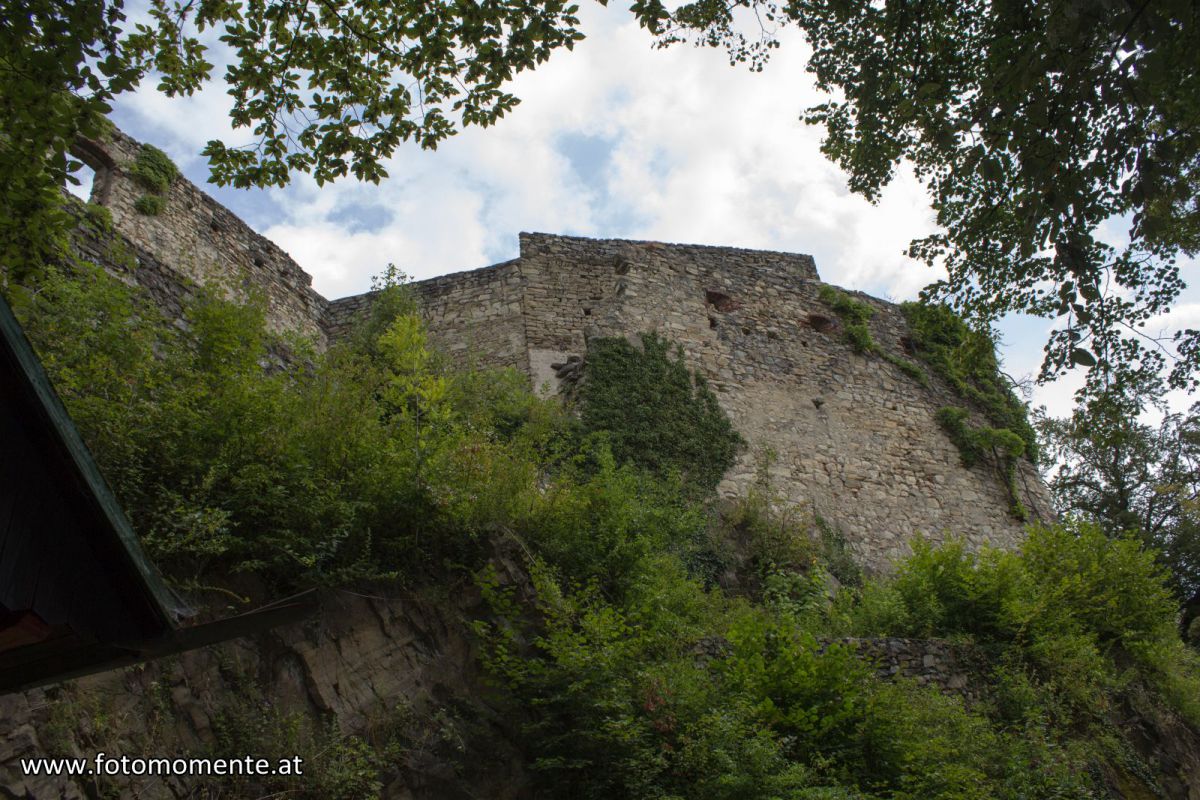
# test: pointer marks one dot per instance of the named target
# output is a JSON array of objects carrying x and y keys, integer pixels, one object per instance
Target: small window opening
[
  {"x": 86, "y": 177},
  {"x": 821, "y": 323}
]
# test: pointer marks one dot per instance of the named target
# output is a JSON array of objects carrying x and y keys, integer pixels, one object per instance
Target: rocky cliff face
[{"x": 395, "y": 676}]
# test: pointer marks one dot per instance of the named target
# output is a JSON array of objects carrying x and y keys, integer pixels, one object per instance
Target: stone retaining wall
[{"x": 956, "y": 669}]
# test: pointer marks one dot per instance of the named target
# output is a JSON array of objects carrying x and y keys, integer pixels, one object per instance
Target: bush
[
  {"x": 150, "y": 205},
  {"x": 153, "y": 169},
  {"x": 629, "y": 673},
  {"x": 1076, "y": 606}
]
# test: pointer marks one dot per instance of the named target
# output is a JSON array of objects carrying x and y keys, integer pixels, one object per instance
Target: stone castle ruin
[{"x": 854, "y": 437}]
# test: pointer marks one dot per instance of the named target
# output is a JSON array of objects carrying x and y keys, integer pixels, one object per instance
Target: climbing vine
[
  {"x": 656, "y": 412},
  {"x": 976, "y": 443},
  {"x": 966, "y": 359}
]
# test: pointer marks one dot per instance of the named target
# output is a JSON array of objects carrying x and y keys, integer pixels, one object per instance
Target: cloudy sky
[{"x": 614, "y": 139}]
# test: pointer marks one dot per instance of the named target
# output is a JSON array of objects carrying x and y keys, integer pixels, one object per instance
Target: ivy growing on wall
[
  {"x": 855, "y": 315},
  {"x": 976, "y": 443},
  {"x": 656, "y": 413},
  {"x": 966, "y": 359},
  {"x": 154, "y": 171}
]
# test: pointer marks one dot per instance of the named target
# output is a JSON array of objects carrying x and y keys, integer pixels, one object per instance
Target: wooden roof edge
[
  {"x": 162, "y": 601},
  {"x": 72, "y": 656}
]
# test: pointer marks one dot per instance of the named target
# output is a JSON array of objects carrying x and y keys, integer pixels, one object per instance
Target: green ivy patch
[
  {"x": 966, "y": 359},
  {"x": 975, "y": 444},
  {"x": 656, "y": 413},
  {"x": 154, "y": 171}
]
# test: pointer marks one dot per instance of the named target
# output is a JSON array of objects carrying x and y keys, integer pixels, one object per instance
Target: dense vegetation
[
  {"x": 1134, "y": 478},
  {"x": 665, "y": 645}
]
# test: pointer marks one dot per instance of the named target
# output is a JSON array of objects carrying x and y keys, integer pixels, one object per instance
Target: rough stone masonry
[{"x": 854, "y": 439}]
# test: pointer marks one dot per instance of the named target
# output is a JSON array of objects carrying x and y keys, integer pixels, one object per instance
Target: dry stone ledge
[{"x": 956, "y": 669}]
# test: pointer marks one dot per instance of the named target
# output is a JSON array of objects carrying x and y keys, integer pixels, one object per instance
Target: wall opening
[
  {"x": 95, "y": 174},
  {"x": 721, "y": 301},
  {"x": 84, "y": 180}
]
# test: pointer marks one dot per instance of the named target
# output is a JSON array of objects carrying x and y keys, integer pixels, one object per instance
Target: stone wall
[
  {"x": 201, "y": 240},
  {"x": 168, "y": 289},
  {"x": 399, "y": 668},
  {"x": 474, "y": 317},
  {"x": 957, "y": 669},
  {"x": 852, "y": 436}
]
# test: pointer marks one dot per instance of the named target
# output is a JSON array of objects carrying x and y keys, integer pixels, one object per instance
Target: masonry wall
[
  {"x": 473, "y": 317},
  {"x": 851, "y": 435},
  {"x": 202, "y": 241}
]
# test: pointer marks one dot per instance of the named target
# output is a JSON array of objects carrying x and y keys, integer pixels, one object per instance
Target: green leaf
[{"x": 1082, "y": 357}]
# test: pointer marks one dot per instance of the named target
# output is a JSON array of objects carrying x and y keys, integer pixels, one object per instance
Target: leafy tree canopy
[
  {"x": 1035, "y": 125},
  {"x": 1132, "y": 477},
  {"x": 329, "y": 87}
]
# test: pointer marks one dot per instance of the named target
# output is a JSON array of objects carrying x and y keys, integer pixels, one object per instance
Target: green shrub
[
  {"x": 150, "y": 204},
  {"x": 308, "y": 476},
  {"x": 153, "y": 169},
  {"x": 334, "y": 765},
  {"x": 1075, "y": 606}
]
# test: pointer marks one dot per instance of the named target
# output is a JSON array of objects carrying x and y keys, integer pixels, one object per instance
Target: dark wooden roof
[{"x": 77, "y": 592}]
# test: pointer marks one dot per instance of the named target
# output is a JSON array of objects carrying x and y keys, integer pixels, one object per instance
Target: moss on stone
[
  {"x": 966, "y": 359},
  {"x": 155, "y": 171},
  {"x": 98, "y": 218}
]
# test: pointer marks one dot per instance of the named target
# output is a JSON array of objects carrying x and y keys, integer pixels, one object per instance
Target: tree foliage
[
  {"x": 1036, "y": 126},
  {"x": 329, "y": 87},
  {"x": 1129, "y": 476}
]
